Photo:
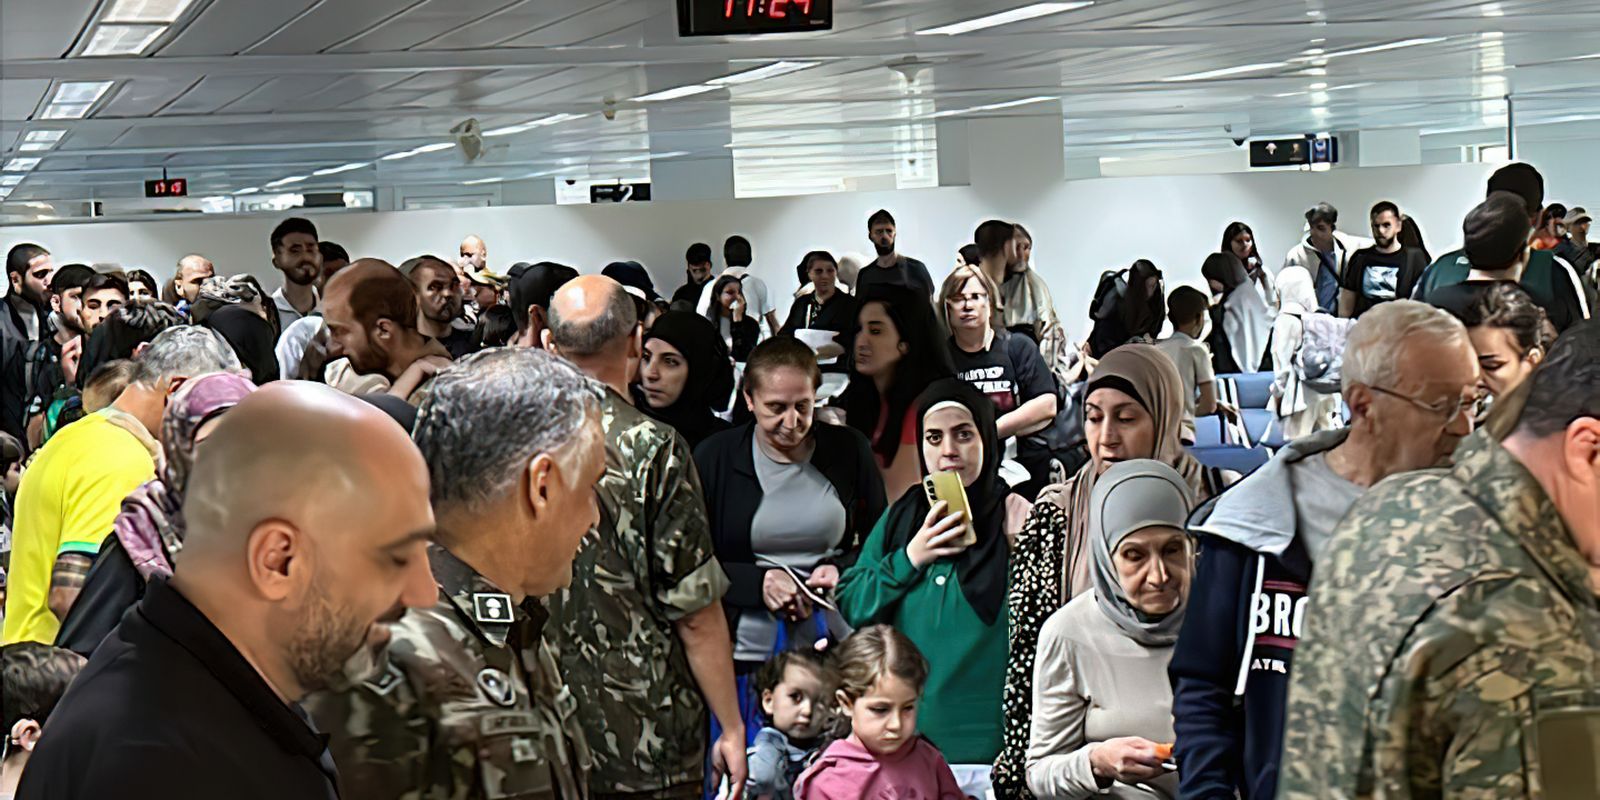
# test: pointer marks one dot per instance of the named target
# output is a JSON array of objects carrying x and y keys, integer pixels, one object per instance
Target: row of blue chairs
[{"x": 1245, "y": 445}]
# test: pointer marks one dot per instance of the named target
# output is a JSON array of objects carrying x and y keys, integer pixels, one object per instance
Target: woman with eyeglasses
[{"x": 1004, "y": 366}]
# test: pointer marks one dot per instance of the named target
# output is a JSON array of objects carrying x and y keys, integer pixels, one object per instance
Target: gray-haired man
[
  {"x": 74, "y": 489},
  {"x": 470, "y": 704}
]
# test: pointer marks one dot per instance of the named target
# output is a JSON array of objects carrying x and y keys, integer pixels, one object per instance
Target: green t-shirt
[{"x": 1551, "y": 283}]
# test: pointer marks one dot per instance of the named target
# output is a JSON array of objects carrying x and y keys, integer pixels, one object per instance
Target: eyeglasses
[
  {"x": 1449, "y": 409},
  {"x": 969, "y": 299}
]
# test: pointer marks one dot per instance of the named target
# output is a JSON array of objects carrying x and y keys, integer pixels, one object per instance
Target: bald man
[
  {"x": 439, "y": 303},
  {"x": 308, "y": 521},
  {"x": 474, "y": 257},
  {"x": 193, "y": 269},
  {"x": 649, "y": 570},
  {"x": 513, "y": 443},
  {"x": 371, "y": 312}
]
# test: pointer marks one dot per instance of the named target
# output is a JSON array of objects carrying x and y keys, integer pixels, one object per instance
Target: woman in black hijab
[
  {"x": 905, "y": 573},
  {"x": 251, "y": 338},
  {"x": 685, "y": 376}
]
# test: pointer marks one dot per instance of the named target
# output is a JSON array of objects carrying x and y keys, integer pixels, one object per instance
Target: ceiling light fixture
[
  {"x": 122, "y": 40},
  {"x": 991, "y": 107},
  {"x": 251, "y": 190},
  {"x": 10, "y": 180},
  {"x": 80, "y": 92},
  {"x": 20, "y": 164},
  {"x": 1378, "y": 48},
  {"x": 772, "y": 70},
  {"x": 676, "y": 92},
  {"x": 1027, "y": 12},
  {"x": 1225, "y": 72},
  {"x": 146, "y": 10},
  {"x": 34, "y": 147},
  {"x": 354, "y": 165},
  {"x": 285, "y": 181},
  {"x": 48, "y": 136},
  {"x": 651, "y": 156},
  {"x": 417, "y": 151},
  {"x": 531, "y": 124},
  {"x": 481, "y": 181}
]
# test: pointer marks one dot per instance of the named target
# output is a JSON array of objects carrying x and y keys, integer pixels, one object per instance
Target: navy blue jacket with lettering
[{"x": 1230, "y": 668}]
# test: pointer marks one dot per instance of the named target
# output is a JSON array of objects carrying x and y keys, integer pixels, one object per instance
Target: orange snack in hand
[{"x": 1164, "y": 751}]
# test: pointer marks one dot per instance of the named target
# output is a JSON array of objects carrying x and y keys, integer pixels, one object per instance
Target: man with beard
[
  {"x": 287, "y": 582},
  {"x": 295, "y": 253},
  {"x": 193, "y": 271},
  {"x": 22, "y": 320},
  {"x": 101, "y": 298},
  {"x": 371, "y": 312},
  {"x": 513, "y": 444},
  {"x": 439, "y": 301},
  {"x": 474, "y": 256},
  {"x": 891, "y": 267},
  {"x": 52, "y": 362}
]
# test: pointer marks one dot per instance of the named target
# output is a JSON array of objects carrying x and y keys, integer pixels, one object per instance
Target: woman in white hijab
[
  {"x": 1102, "y": 708},
  {"x": 1300, "y": 409},
  {"x": 1240, "y": 321}
]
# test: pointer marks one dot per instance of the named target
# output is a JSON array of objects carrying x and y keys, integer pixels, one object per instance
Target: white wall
[{"x": 1080, "y": 227}]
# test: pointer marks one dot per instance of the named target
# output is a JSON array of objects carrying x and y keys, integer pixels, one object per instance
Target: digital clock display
[{"x": 745, "y": 17}]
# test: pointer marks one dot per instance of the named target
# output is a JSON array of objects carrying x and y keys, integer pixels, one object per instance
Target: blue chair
[
  {"x": 1208, "y": 431},
  {"x": 1243, "y": 460},
  {"x": 1263, "y": 428},
  {"x": 1253, "y": 389}
]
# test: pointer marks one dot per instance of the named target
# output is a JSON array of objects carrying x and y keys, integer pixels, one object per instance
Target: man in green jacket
[{"x": 1452, "y": 642}]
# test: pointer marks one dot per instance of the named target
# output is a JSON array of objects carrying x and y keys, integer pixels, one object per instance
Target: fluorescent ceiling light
[
  {"x": 650, "y": 156},
  {"x": 285, "y": 181},
  {"x": 122, "y": 40},
  {"x": 417, "y": 151},
  {"x": 44, "y": 136},
  {"x": 481, "y": 181},
  {"x": 66, "y": 111},
  {"x": 80, "y": 92},
  {"x": 772, "y": 70},
  {"x": 991, "y": 107},
  {"x": 146, "y": 10},
  {"x": 1027, "y": 12},
  {"x": 1378, "y": 48},
  {"x": 20, "y": 164},
  {"x": 10, "y": 180},
  {"x": 343, "y": 168},
  {"x": 251, "y": 190},
  {"x": 675, "y": 93},
  {"x": 34, "y": 147},
  {"x": 535, "y": 123},
  {"x": 1226, "y": 71}
]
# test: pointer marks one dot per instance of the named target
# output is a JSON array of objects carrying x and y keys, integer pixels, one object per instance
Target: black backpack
[{"x": 1113, "y": 284}]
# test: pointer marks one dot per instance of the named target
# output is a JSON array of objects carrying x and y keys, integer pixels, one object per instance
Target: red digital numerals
[{"x": 775, "y": 9}]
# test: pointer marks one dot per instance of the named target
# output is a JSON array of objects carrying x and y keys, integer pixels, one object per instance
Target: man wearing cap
[
  {"x": 1546, "y": 277},
  {"x": 486, "y": 288},
  {"x": 1578, "y": 251},
  {"x": 635, "y": 280},
  {"x": 531, "y": 286}
]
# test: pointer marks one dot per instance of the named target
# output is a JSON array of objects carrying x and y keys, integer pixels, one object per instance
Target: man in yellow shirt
[{"x": 75, "y": 486}]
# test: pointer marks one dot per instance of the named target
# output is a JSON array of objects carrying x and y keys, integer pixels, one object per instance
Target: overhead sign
[
  {"x": 619, "y": 193},
  {"x": 748, "y": 17},
  {"x": 167, "y": 187},
  {"x": 1294, "y": 152}
]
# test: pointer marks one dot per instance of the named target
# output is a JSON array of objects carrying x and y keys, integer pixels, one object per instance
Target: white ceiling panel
[{"x": 255, "y": 90}]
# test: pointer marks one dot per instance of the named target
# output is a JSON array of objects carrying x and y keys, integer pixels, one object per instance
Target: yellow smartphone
[{"x": 947, "y": 486}]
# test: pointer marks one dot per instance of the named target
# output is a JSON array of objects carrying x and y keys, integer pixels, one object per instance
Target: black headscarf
[
  {"x": 251, "y": 338},
  {"x": 1226, "y": 269},
  {"x": 982, "y": 567},
  {"x": 710, "y": 381}
]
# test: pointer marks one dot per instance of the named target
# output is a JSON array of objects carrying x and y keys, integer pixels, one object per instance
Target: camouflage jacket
[
  {"x": 471, "y": 705},
  {"x": 1451, "y": 613},
  {"x": 648, "y": 565}
]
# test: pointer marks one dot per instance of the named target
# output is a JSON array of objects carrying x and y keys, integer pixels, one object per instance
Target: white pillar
[
  {"x": 1388, "y": 148},
  {"x": 692, "y": 178}
]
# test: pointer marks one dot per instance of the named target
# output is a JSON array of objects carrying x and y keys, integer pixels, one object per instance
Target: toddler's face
[
  {"x": 795, "y": 704},
  {"x": 885, "y": 718}
]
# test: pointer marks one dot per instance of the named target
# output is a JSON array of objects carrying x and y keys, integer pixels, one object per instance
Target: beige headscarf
[{"x": 1155, "y": 383}]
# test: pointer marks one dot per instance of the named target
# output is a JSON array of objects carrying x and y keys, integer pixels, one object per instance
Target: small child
[
  {"x": 1187, "y": 308},
  {"x": 793, "y": 687},
  {"x": 35, "y": 677},
  {"x": 881, "y": 676}
]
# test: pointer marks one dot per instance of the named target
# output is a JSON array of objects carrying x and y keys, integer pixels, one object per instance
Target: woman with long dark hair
[
  {"x": 1134, "y": 309},
  {"x": 729, "y": 312},
  {"x": 1239, "y": 240},
  {"x": 899, "y": 350}
]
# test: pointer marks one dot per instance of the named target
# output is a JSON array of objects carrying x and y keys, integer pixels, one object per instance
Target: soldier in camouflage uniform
[
  {"x": 645, "y": 597},
  {"x": 470, "y": 704},
  {"x": 1455, "y": 610}
]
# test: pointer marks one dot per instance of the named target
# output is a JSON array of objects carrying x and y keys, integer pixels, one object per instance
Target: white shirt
[{"x": 755, "y": 293}]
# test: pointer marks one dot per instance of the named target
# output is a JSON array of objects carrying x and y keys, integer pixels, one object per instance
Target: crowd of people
[{"x": 437, "y": 531}]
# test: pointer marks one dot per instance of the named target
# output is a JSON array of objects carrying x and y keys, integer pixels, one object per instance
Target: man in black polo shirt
[
  {"x": 308, "y": 521},
  {"x": 1385, "y": 271},
  {"x": 697, "y": 273},
  {"x": 890, "y": 267}
]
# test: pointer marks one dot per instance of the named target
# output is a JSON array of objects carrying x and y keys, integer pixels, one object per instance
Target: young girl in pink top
[{"x": 881, "y": 674}]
